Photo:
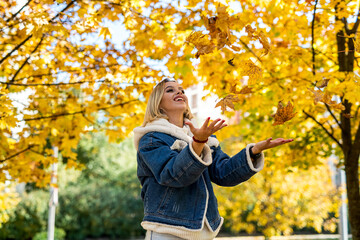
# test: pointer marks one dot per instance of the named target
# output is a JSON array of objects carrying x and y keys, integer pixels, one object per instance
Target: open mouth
[{"x": 179, "y": 99}]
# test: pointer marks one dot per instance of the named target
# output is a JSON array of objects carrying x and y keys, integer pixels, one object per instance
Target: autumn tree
[
  {"x": 288, "y": 68},
  {"x": 310, "y": 74}
]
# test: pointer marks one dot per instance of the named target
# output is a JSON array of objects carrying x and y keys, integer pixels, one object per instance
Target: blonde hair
[{"x": 153, "y": 110}]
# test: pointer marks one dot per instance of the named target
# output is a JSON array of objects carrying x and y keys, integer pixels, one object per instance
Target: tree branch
[
  {"x": 66, "y": 71},
  {"x": 63, "y": 10},
  {"x": 250, "y": 50},
  {"x": 14, "y": 15},
  {"x": 30, "y": 36},
  {"x": 332, "y": 114},
  {"x": 322, "y": 126},
  {"x": 16, "y": 48},
  {"x": 312, "y": 37},
  {"x": 78, "y": 112},
  {"x": 51, "y": 84},
  {"x": 26, "y": 61},
  {"x": 16, "y": 154}
]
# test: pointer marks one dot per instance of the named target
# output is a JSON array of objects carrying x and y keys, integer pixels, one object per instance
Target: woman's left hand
[{"x": 269, "y": 143}]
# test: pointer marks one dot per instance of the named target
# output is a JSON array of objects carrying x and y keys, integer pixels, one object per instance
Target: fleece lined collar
[{"x": 164, "y": 126}]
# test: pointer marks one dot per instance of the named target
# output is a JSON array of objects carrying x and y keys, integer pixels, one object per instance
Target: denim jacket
[{"x": 177, "y": 183}]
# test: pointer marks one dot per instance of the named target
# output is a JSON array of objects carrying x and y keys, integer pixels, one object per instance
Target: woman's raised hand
[
  {"x": 206, "y": 130},
  {"x": 269, "y": 143}
]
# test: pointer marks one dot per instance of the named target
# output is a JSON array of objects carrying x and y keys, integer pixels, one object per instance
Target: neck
[{"x": 176, "y": 119}]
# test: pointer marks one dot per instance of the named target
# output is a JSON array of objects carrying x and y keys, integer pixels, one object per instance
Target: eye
[{"x": 169, "y": 90}]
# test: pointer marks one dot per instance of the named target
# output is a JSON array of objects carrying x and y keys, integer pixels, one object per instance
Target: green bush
[
  {"x": 101, "y": 210},
  {"x": 59, "y": 234},
  {"x": 101, "y": 201},
  {"x": 28, "y": 218}
]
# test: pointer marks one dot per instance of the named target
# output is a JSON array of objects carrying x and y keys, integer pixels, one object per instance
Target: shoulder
[{"x": 156, "y": 139}]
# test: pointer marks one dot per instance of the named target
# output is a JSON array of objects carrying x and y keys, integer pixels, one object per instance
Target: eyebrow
[{"x": 173, "y": 87}]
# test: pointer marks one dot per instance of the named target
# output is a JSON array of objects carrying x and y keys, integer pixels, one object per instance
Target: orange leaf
[
  {"x": 283, "y": 114},
  {"x": 227, "y": 101}
]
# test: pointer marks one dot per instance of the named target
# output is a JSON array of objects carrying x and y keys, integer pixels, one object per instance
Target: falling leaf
[
  {"x": 231, "y": 62},
  {"x": 227, "y": 101},
  {"x": 283, "y": 114},
  {"x": 252, "y": 34},
  {"x": 235, "y": 48},
  {"x": 318, "y": 95},
  {"x": 249, "y": 68},
  {"x": 325, "y": 97},
  {"x": 246, "y": 90},
  {"x": 201, "y": 43},
  {"x": 323, "y": 83}
]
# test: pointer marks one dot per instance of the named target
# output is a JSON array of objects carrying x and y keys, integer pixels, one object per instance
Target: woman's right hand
[{"x": 206, "y": 130}]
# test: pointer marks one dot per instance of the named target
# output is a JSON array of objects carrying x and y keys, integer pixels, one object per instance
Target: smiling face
[{"x": 174, "y": 99}]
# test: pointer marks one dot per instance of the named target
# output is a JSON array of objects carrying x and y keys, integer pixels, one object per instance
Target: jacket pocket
[{"x": 163, "y": 206}]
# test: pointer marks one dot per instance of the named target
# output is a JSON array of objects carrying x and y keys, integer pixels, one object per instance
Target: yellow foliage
[
  {"x": 59, "y": 79},
  {"x": 8, "y": 200}
]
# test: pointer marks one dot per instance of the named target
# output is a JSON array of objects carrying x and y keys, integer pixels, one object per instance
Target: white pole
[
  {"x": 343, "y": 230},
  {"x": 53, "y": 198}
]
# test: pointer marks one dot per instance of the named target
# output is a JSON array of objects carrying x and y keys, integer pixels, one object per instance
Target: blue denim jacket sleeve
[
  {"x": 229, "y": 171},
  {"x": 169, "y": 167}
]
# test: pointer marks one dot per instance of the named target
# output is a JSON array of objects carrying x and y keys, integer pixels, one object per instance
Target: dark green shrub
[
  {"x": 59, "y": 234},
  {"x": 28, "y": 218}
]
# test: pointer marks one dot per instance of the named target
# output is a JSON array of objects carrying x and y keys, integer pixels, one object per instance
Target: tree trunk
[
  {"x": 351, "y": 152},
  {"x": 351, "y": 149}
]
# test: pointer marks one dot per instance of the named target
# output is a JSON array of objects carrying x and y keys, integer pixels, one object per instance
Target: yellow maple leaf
[
  {"x": 105, "y": 32},
  {"x": 253, "y": 34},
  {"x": 227, "y": 101},
  {"x": 323, "y": 83},
  {"x": 201, "y": 42},
  {"x": 246, "y": 90},
  {"x": 283, "y": 114},
  {"x": 249, "y": 68},
  {"x": 325, "y": 97}
]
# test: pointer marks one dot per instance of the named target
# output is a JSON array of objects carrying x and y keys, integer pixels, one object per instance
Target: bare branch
[
  {"x": 334, "y": 117},
  {"x": 313, "y": 38},
  {"x": 250, "y": 50},
  {"x": 323, "y": 127}
]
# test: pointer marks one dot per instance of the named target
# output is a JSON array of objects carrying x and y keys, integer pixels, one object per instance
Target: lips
[{"x": 179, "y": 99}]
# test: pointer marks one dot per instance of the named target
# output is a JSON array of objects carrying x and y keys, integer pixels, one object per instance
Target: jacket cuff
[
  {"x": 205, "y": 156},
  {"x": 258, "y": 164}
]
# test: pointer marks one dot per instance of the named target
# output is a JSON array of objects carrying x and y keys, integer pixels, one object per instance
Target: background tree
[
  {"x": 103, "y": 200},
  {"x": 48, "y": 52}
]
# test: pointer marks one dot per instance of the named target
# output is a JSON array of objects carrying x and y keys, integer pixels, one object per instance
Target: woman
[{"x": 177, "y": 163}]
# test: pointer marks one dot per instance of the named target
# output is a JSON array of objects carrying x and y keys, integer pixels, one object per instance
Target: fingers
[
  {"x": 206, "y": 122},
  {"x": 191, "y": 126},
  {"x": 212, "y": 125}
]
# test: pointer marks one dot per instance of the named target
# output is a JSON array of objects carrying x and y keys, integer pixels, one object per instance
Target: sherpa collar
[{"x": 164, "y": 126}]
